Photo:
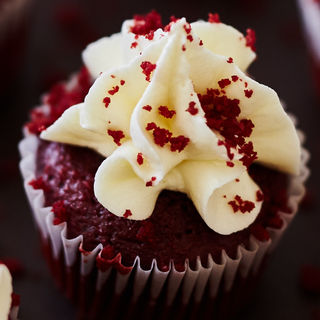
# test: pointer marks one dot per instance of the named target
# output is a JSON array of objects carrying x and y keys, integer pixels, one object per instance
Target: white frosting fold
[
  {"x": 142, "y": 123},
  {"x": 5, "y": 292}
]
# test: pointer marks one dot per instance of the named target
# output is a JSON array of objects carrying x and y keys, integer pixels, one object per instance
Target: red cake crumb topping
[
  {"x": 147, "y": 67},
  {"x": 113, "y": 76},
  {"x": 114, "y": 90},
  {"x": 223, "y": 83},
  {"x": 190, "y": 37},
  {"x": 140, "y": 158},
  {"x": 161, "y": 136},
  {"x": 147, "y": 107},
  {"x": 165, "y": 112},
  {"x": 134, "y": 45},
  {"x": 251, "y": 39},
  {"x": 183, "y": 47},
  {"x": 221, "y": 114},
  {"x": 230, "y": 164},
  {"x": 59, "y": 211},
  {"x": 144, "y": 24},
  {"x": 59, "y": 99},
  {"x": 187, "y": 28},
  {"x": 178, "y": 143},
  {"x": 106, "y": 101},
  {"x": 200, "y": 43},
  {"x": 15, "y": 300},
  {"x": 213, "y": 18},
  {"x": 248, "y": 93},
  {"x": 234, "y": 78},
  {"x": 122, "y": 82},
  {"x": 242, "y": 205},
  {"x": 127, "y": 214},
  {"x": 259, "y": 196},
  {"x": 192, "y": 109},
  {"x": 230, "y": 60},
  {"x": 117, "y": 135},
  {"x": 150, "y": 183},
  {"x": 38, "y": 184}
]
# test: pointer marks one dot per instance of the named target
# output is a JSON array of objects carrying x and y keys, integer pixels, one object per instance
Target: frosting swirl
[{"x": 176, "y": 111}]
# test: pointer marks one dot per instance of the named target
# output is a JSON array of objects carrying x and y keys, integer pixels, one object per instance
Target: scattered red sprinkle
[
  {"x": 251, "y": 39},
  {"x": 134, "y": 45},
  {"x": 234, "y": 78},
  {"x": 260, "y": 233},
  {"x": 183, "y": 47},
  {"x": 106, "y": 101},
  {"x": 310, "y": 278},
  {"x": 246, "y": 84},
  {"x": 144, "y": 24},
  {"x": 165, "y": 112},
  {"x": 249, "y": 154},
  {"x": 192, "y": 109},
  {"x": 150, "y": 183},
  {"x": 224, "y": 196},
  {"x": 214, "y": 18},
  {"x": 117, "y": 135},
  {"x": 127, "y": 214},
  {"x": 230, "y": 60},
  {"x": 200, "y": 43},
  {"x": 122, "y": 82},
  {"x": 15, "y": 300},
  {"x": 147, "y": 67},
  {"x": 187, "y": 28},
  {"x": 242, "y": 205},
  {"x": 230, "y": 164},
  {"x": 178, "y": 143},
  {"x": 114, "y": 90},
  {"x": 248, "y": 93},
  {"x": 59, "y": 211},
  {"x": 223, "y": 83},
  {"x": 190, "y": 37},
  {"x": 147, "y": 107},
  {"x": 259, "y": 196},
  {"x": 112, "y": 76},
  {"x": 140, "y": 158},
  {"x": 161, "y": 136},
  {"x": 237, "y": 180}
]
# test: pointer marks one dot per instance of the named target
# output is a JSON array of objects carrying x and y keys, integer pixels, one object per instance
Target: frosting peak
[{"x": 178, "y": 112}]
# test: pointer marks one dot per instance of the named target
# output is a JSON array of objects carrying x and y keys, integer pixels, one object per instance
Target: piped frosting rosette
[{"x": 178, "y": 112}]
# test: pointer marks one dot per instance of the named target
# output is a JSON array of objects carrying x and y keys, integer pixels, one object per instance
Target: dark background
[{"x": 48, "y": 47}]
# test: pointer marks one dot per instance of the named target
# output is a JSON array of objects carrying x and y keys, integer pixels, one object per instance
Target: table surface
[{"x": 54, "y": 42}]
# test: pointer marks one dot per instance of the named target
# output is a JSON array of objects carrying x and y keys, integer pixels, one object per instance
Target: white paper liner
[{"x": 192, "y": 282}]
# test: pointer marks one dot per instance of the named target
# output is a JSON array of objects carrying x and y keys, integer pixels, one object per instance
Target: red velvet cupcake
[{"x": 160, "y": 191}]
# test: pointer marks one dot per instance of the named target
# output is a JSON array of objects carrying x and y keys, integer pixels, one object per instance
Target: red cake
[{"x": 176, "y": 257}]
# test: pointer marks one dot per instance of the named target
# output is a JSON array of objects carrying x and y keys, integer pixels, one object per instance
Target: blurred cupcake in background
[
  {"x": 9, "y": 301},
  {"x": 310, "y": 16}
]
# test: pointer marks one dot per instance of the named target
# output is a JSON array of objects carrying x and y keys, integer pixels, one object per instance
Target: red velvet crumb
[
  {"x": 140, "y": 158},
  {"x": 187, "y": 28},
  {"x": 230, "y": 60},
  {"x": 113, "y": 76},
  {"x": 183, "y": 47},
  {"x": 150, "y": 183},
  {"x": 234, "y": 78},
  {"x": 178, "y": 143},
  {"x": 147, "y": 107},
  {"x": 161, "y": 136},
  {"x": 39, "y": 183},
  {"x": 144, "y": 24},
  {"x": 223, "y": 83},
  {"x": 248, "y": 93},
  {"x": 214, "y": 18},
  {"x": 106, "y": 101},
  {"x": 165, "y": 112},
  {"x": 251, "y": 39},
  {"x": 230, "y": 164},
  {"x": 127, "y": 214},
  {"x": 242, "y": 205},
  {"x": 59, "y": 211},
  {"x": 200, "y": 43},
  {"x": 134, "y": 45},
  {"x": 117, "y": 135},
  {"x": 114, "y": 90},
  {"x": 147, "y": 67},
  {"x": 192, "y": 109},
  {"x": 122, "y": 82},
  {"x": 259, "y": 196},
  {"x": 190, "y": 37}
]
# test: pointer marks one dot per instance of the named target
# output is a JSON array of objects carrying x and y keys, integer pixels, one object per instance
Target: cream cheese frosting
[
  {"x": 5, "y": 292},
  {"x": 146, "y": 113}
]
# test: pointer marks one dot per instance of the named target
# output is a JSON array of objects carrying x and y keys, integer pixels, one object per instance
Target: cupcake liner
[{"x": 87, "y": 277}]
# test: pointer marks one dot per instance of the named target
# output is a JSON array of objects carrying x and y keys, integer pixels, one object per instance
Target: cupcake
[
  {"x": 161, "y": 176},
  {"x": 9, "y": 301},
  {"x": 310, "y": 18}
]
